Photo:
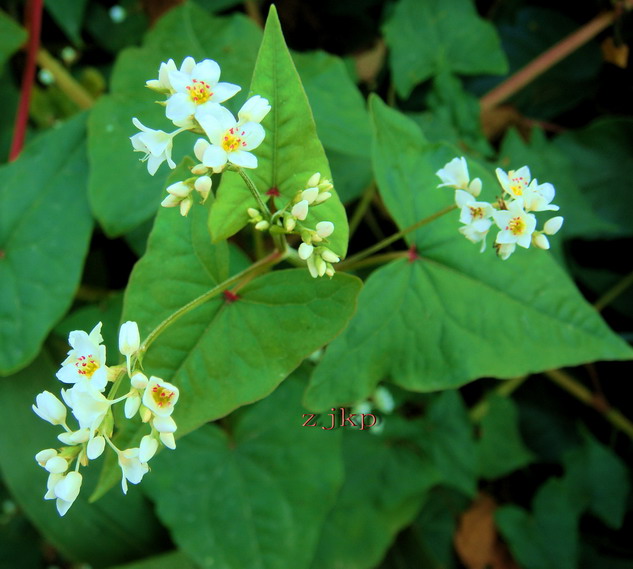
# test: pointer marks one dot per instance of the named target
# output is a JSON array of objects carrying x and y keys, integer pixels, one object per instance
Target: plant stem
[
  {"x": 505, "y": 389},
  {"x": 389, "y": 240},
  {"x": 615, "y": 291},
  {"x": 64, "y": 80},
  {"x": 549, "y": 58},
  {"x": 377, "y": 260},
  {"x": 583, "y": 394},
  {"x": 361, "y": 208},
  {"x": 255, "y": 193},
  {"x": 33, "y": 16},
  {"x": 255, "y": 269}
]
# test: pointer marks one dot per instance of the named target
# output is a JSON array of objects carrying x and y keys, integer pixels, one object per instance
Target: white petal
[
  {"x": 224, "y": 91},
  {"x": 243, "y": 159},
  {"x": 214, "y": 156}
]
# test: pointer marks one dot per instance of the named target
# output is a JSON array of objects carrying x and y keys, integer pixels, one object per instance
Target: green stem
[
  {"x": 389, "y": 240},
  {"x": 613, "y": 293},
  {"x": 256, "y": 268},
  {"x": 117, "y": 382},
  {"x": 583, "y": 394},
  {"x": 361, "y": 208},
  {"x": 255, "y": 192},
  {"x": 377, "y": 260},
  {"x": 506, "y": 388}
]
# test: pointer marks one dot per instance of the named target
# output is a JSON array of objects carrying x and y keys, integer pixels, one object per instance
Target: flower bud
[
  {"x": 56, "y": 465},
  {"x": 310, "y": 194},
  {"x": 305, "y": 251},
  {"x": 132, "y": 403},
  {"x": 129, "y": 338},
  {"x": 300, "y": 210},
  {"x": 168, "y": 440},
  {"x": 203, "y": 186},
  {"x": 329, "y": 256},
  {"x": 185, "y": 206},
  {"x": 540, "y": 240},
  {"x": 314, "y": 180},
  {"x": 75, "y": 437},
  {"x": 164, "y": 424},
  {"x": 49, "y": 408},
  {"x": 179, "y": 189},
  {"x": 262, "y": 225},
  {"x": 324, "y": 229},
  {"x": 95, "y": 447},
  {"x": 44, "y": 456},
  {"x": 322, "y": 197},
  {"x": 147, "y": 448},
  {"x": 170, "y": 201},
  {"x": 139, "y": 380},
  {"x": 553, "y": 225},
  {"x": 254, "y": 110},
  {"x": 253, "y": 213},
  {"x": 199, "y": 170},
  {"x": 289, "y": 223}
]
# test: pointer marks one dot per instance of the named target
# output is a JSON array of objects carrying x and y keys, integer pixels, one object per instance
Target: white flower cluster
[
  {"x": 194, "y": 96},
  {"x": 511, "y": 213},
  {"x": 313, "y": 250},
  {"x": 381, "y": 400},
  {"x": 86, "y": 370}
]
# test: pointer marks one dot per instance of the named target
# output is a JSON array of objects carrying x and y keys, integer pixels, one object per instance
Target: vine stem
[
  {"x": 389, "y": 240},
  {"x": 580, "y": 392},
  {"x": 33, "y": 19},
  {"x": 64, "y": 80},
  {"x": 255, "y": 269},
  {"x": 551, "y": 57},
  {"x": 506, "y": 388},
  {"x": 613, "y": 293},
  {"x": 255, "y": 192}
]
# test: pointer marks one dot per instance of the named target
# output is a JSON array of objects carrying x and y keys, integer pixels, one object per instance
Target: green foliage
[
  {"x": 68, "y": 15},
  {"x": 254, "y": 495},
  {"x": 11, "y": 37},
  {"x": 429, "y": 38},
  {"x": 41, "y": 261}
]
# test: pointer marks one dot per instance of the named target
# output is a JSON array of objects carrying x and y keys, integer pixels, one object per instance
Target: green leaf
[
  {"x": 453, "y": 314},
  {"x": 547, "y": 539},
  {"x": 291, "y": 152},
  {"x": 255, "y": 496},
  {"x": 549, "y": 163},
  {"x": 426, "y": 38},
  {"x": 68, "y": 15},
  {"x": 117, "y": 529},
  {"x": 223, "y": 354},
  {"x": 12, "y": 36},
  {"x": 122, "y": 193},
  {"x": 172, "y": 560},
  {"x": 598, "y": 481},
  {"x": 386, "y": 482},
  {"x": 501, "y": 450},
  {"x": 600, "y": 154},
  {"x": 45, "y": 227}
]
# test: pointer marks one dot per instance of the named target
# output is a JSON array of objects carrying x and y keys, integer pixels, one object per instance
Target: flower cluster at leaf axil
[
  {"x": 86, "y": 372},
  {"x": 194, "y": 103},
  {"x": 512, "y": 213}
]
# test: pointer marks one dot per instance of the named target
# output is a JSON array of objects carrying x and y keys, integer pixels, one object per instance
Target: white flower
[
  {"x": 476, "y": 217},
  {"x": 75, "y": 437},
  {"x": 455, "y": 175},
  {"x": 160, "y": 396},
  {"x": 86, "y": 360},
  {"x": 155, "y": 144},
  {"x": 162, "y": 84},
  {"x": 129, "y": 341},
  {"x": 196, "y": 90},
  {"x": 89, "y": 406},
  {"x": 516, "y": 225},
  {"x": 515, "y": 182},
  {"x": 538, "y": 197},
  {"x": 147, "y": 448},
  {"x": 49, "y": 408},
  {"x": 305, "y": 251},
  {"x": 504, "y": 250},
  {"x": 230, "y": 142},
  {"x": 253, "y": 110},
  {"x": 66, "y": 489},
  {"x": 44, "y": 455},
  {"x": 131, "y": 467}
]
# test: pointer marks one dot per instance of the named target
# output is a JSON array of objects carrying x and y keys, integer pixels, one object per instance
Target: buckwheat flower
[
  {"x": 515, "y": 182},
  {"x": 155, "y": 144},
  {"x": 132, "y": 468},
  {"x": 88, "y": 406},
  {"x": 162, "y": 84},
  {"x": 179, "y": 195},
  {"x": 504, "y": 250},
  {"x": 49, "y": 408},
  {"x": 129, "y": 341},
  {"x": 72, "y": 438},
  {"x": 550, "y": 228},
  {"x": 516, "y": 225},
  {"x": 44, "y": 455},
  {"x": 160, "y": 396},
  {"x": 66, "y": 491},
  {"x": 196, "y": 90},
  {"x": 253, "y": 110},
  {"x": 86, "y": 360},
  {"x": 475, "y": 216},
  {"x": 230, "y": 142},
  {"x": 455, "y": 174},
  {"x": 538, "y": 197}
]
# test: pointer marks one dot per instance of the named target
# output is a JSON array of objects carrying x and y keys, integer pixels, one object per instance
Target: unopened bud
[
  {"x": 314, "y": 180},
  {"x": 300, "y": 210},
  {"x": 262, "y": 225},
  {"x": 203, "y": 186},
  {"x": 322, "y": 197},
  {"x": 305, "y": 251},
  {"x": 553, "y": 225},
  {"x": 329, "y": 256},
  {"x": 310, "y": 194},
  {"x": 324, "y": 229}
]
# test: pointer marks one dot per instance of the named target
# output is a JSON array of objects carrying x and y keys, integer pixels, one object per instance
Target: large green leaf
[
  {"x": 453, "y": 314},
  {"x": 501, "y": 449},
  {"x": 117, "y": 529},
  {"x": 174, "y": 560},
  {"x": 45, "y": 227},
  {"x": 290, "y": 153},
  {"x": 386, "y": 482},
  {"x": 225, "y": 354},
  {"x": 255, "y": 496},
  {"x": 68, "y": 15},
  {"x": 122, "y": 193},
  {"x": 12, "y": 36},
  {"x": 429, "y": 37},
  {"x": 601, "y": 158},
  {"x": 547, "y": 539}
]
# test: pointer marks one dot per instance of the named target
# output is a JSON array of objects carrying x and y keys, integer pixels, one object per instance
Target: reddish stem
[{"x": 33, "y": 21}]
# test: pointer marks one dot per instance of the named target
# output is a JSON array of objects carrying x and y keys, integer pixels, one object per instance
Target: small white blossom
[
  {"x": 56, "y": 465},
  {"x": 230, "y": 142},
  {"x": 164, "y": 424},
  {"x": 553, "y": 225},
  {"x": 155, "y": 144},
  {"x": 197, "y": 90},
  {"x": 66, "y": 489},
  {"x": 162, "y": 84},
  {"x": 516, "y": 225},
  {"x": 75, "y": 437},
  {"x": 515, "y": 182},
  {"x": 475, "y": 216},
  {"x": 455, "y": 175},
  {"x": 86, "y": 360},
  {"x": 89, "y": 406},
  {"x": 132, "y": 403},
  {"x": 538, "y": 197},
  {"x": 160, "y": 396},
  {"x": 44, "y": 455},
  {"x": 131, "y": 466},
  {"x": 49, "y": 408}
]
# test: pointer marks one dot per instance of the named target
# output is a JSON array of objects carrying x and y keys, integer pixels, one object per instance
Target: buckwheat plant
[{"x": 511, "y": 213}]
